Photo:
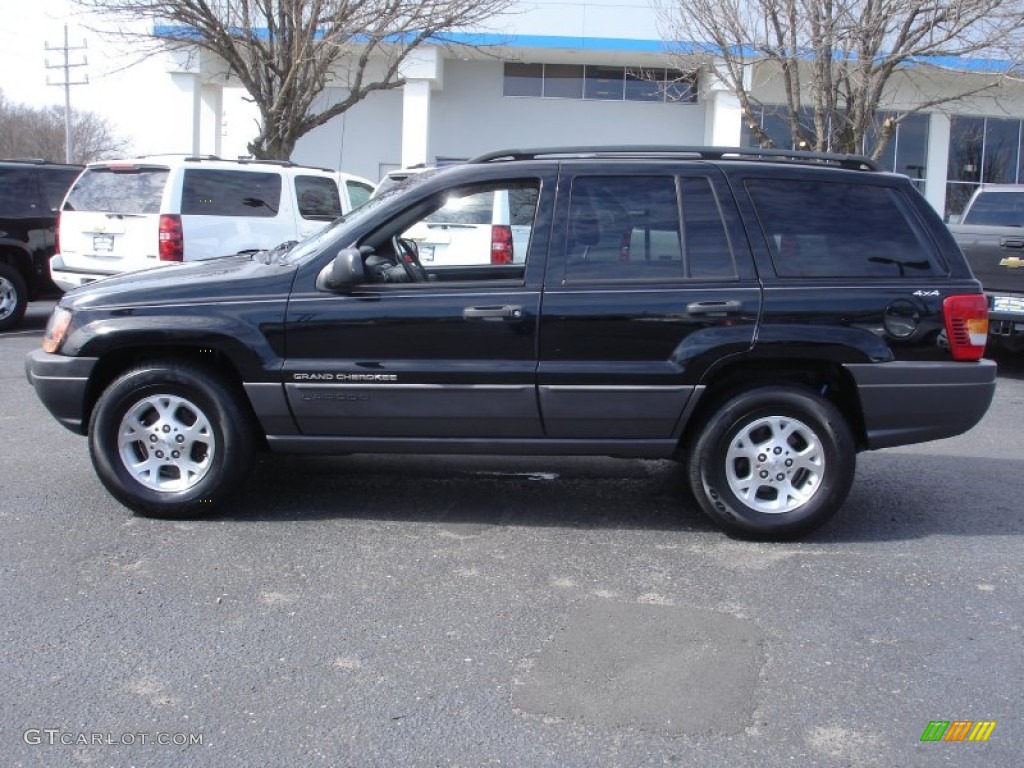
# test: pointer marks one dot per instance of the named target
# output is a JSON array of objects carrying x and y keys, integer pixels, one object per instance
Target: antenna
[{"x": 66, "y": 65}]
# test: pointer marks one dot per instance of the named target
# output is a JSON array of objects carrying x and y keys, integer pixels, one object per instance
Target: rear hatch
[{"x": 110, "y": 219}]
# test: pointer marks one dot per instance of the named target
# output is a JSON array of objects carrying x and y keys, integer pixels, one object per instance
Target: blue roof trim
[
  {"x": 565, "y": 41},
  {"x": 616, "y": 44}
]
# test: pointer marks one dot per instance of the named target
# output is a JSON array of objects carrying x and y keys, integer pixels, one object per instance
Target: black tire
[
  {"x": 772, "y": 463},
  {"x": 169, "y": 439},
  {"x": 13, "y": 296}
]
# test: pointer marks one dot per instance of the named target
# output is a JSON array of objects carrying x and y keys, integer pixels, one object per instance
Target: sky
[{"x": 120, "y": 89}]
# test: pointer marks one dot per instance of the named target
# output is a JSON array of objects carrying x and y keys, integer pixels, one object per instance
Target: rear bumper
[
  {"x": 61, "y": 383},
  {"x": 913, "y": 402},
  {"x": 67, "y": 278}
]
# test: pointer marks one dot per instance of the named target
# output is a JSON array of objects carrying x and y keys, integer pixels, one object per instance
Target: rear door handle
[
  {"x": 1015, "y": 243},
  {"x": 503, "y": 312},
  {"x": 729, "y": 307}
]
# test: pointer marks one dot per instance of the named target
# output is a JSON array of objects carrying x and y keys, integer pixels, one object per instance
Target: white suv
[
  {"x": 125, "y": 215},
  {"x": 482, "y": 227}
]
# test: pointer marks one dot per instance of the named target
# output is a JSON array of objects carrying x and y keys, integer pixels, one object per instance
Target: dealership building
[{"x": 599, "y": 72}]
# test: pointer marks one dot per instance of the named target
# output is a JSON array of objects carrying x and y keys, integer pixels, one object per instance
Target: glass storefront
[
  {"x": 906, "y": 152},
  {"x": 982, "y": 150}
]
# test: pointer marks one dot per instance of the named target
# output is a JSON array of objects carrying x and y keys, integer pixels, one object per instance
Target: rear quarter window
[
  {"x": 209, "y": 192},
  {"x": 54, "y": 184},
  {"x": 18, "y": 194},
  {"x": 845, "y": 230},
  {"x": 117, "y": 190}
]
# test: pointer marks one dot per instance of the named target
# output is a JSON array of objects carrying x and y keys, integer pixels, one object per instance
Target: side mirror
[{"x": 344, "y": 271}]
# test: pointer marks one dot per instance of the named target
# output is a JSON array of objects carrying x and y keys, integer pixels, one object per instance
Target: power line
[{"x": 67, "y": 82}]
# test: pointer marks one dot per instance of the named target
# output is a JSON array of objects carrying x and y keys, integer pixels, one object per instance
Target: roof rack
[
  {"x": 188, "y": 157},
  {"x": 853, "y": 162},
  {"x": 32, "y": 161},
  {"x": 185, "y": 155}
]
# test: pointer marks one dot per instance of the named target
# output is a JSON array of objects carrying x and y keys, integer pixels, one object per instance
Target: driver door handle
[
  {"x": 729, "y": 307},
  {"x": 503, "y": 312}
]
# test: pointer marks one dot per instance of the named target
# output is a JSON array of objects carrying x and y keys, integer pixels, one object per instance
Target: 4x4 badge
[{"x": 1013, "y": 262}]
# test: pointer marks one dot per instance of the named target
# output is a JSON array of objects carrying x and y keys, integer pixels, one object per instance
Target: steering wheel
[{"x": 408, "y": 255}]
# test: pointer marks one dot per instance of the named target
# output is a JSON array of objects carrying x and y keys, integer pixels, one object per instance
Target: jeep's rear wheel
[
  {"x": 13, "y": 296},
  {"x": 169, "y": 440},
  {"x": 772, "y": 463}
]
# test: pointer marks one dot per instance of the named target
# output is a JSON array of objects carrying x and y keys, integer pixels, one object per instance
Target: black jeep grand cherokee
[{"x": 761, "y": 316}]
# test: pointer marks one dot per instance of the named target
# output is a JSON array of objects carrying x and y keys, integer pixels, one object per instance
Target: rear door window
[
  {"x": 645, "y": 228},
  {"x": 118, "y": 190},
  {"x": 318, "y": 198},
  {"x": 210, "y": 192},
  {"x": 838, "y": 229}
]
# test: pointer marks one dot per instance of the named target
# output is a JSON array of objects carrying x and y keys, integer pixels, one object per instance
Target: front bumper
[
  {"x": 907, "y": 402},
  {"x": 1005, "y": 314},
  {"x": 62, "y": 384}
]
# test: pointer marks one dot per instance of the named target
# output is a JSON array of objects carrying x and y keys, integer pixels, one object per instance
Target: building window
[
  {"x": 606, "y": 83},
  {"x": 982, "y": 150},
  {"x": 563, "y": 81},
  {"x": 907, "y": 150},
  {"x": 599, "y": 83},
  {"x": 524, "y": 79}
]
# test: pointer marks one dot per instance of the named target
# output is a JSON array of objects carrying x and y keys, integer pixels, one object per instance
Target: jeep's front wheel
[
  {"x": 13, "y": 296},
  {"x": 169, "y": 439},
  {"x": 772, "y": 463}
]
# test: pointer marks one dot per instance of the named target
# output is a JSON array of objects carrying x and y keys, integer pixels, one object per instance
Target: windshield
[
  {"x": 328, "y": 235},
  {"x": 997, "y": 209}
]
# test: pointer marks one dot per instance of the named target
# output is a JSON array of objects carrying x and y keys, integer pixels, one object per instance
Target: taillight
[
  {"x": 56, "y": 234},
  {"x": 172, "y": 240},
  {"x": 966, "y": 325},
  {"x": 501, "y": 244}
]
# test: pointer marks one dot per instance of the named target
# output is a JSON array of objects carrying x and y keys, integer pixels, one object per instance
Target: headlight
[{"x": 56, "y": 329}]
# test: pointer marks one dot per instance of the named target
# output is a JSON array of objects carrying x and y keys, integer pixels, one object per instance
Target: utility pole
[{"x": 67, "y": 82}]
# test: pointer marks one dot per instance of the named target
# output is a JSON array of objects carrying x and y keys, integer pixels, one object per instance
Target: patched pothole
[{"x": 656, "y": 667}]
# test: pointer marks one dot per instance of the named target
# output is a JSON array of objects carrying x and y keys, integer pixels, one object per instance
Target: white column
[
  {"x": 415, "y": 122},
  {"x": 938, "y": 161},
  {"x": 423, "y": 71},
  {"x": 211, "y": 119},
  {"x": 723, "y": 116}
]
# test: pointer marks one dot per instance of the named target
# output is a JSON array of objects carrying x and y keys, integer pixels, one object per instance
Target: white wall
[
  {"x": 471, "y": 116},
  {"x": 358, "y": 142}
]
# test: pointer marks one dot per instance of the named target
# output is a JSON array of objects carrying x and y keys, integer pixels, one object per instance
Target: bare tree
[
  {"x": 835, "y": 59},
  {"x": 30, "y": 132},
  {"x": 286, "y": 52}
]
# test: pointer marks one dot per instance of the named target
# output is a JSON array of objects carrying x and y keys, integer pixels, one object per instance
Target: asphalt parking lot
[{"x": 475, "y": 611}]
